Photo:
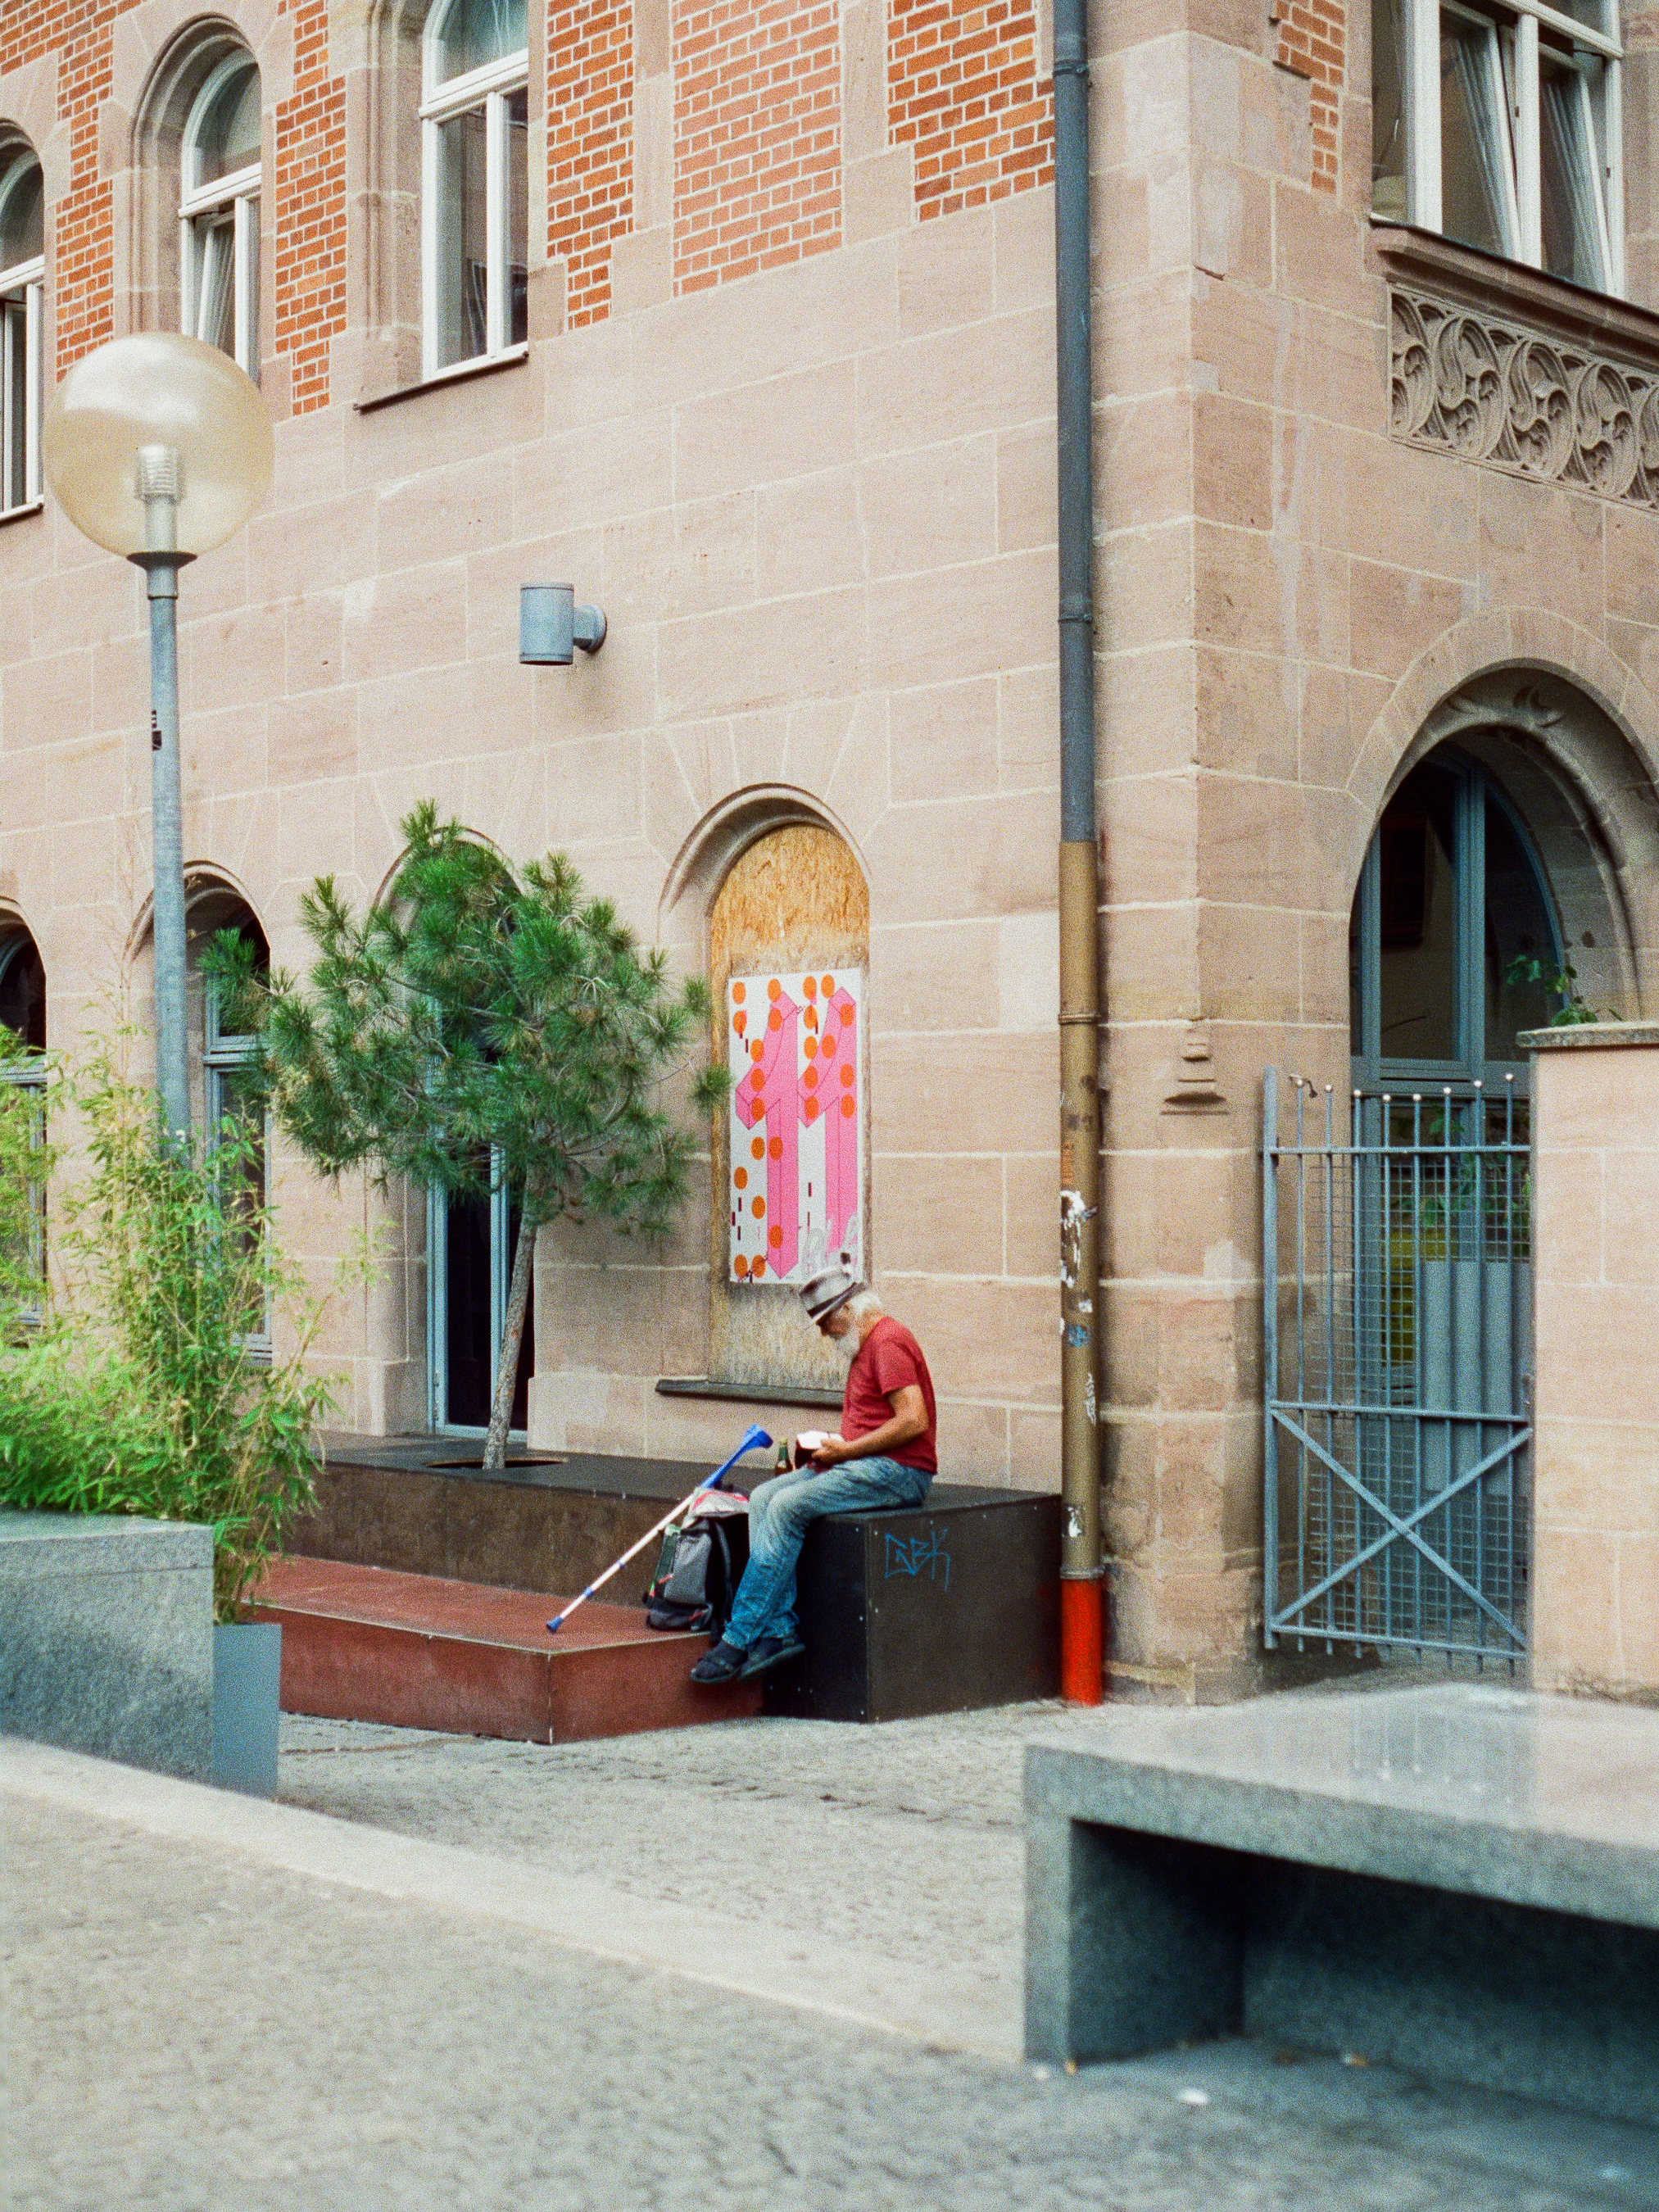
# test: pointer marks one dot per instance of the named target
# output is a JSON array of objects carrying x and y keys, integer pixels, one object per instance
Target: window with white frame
[
  {"x": 219, "y": 213},
  {"x": 22, "y": 293},
  {"x": 1501, "y": 127},
  {"x": 474, "y": 133}
]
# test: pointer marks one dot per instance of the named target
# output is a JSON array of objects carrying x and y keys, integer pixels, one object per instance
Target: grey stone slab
[
  {"x": 1462, "y": 1881},
  {"x": 1541, "y": 1801},
  {"x": 107, "y": 1638},
  {"x": 39, "y": 1544},
  {"x": 1588, "y": 1037}
]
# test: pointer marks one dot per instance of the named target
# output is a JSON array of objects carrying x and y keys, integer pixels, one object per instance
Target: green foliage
[
  {"x": 1561, "y": 983},
  {"x": 26, "y": 1165},
  {"x": 474, "y": 1026},
  {"x": 136, "y": 1382}
]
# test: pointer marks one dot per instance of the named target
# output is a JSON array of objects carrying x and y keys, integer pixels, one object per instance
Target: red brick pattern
[
  {"x": 79, "y": 274},
  {"x": 962, "y": 88},
  {"x": 1310, "y": 39},
  {"x": 590, "y": 146},
  {"x": 309, "y": 280},
  {"x": 757, "y": 136}
]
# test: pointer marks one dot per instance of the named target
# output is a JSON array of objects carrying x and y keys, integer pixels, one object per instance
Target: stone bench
[
  {"x": 1461, "y": 1881},
  {"x": 953, "y": 1606},
  {"x": 107, "y": 1638}
]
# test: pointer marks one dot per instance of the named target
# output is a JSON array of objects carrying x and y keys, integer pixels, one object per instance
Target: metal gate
[{"x": 1398, "y": 1314}]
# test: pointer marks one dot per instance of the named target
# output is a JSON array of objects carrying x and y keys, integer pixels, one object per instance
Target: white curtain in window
[
  {"x": 1474, "y": 140},
  {"x": 1568, "y": 178},
  {"x": 214, "y": 241}
]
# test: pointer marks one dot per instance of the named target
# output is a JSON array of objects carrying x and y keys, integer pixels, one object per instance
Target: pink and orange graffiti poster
[{"x": 796, "y": 1123}]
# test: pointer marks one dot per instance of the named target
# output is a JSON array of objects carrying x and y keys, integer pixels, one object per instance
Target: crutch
[{"x": 755, "y": 1440}]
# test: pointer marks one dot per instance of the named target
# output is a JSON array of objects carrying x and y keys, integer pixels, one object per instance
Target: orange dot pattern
[{"x": 810, "y": 1022}]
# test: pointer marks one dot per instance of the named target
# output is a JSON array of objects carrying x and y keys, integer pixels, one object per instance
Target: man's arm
[{"x": 909, "y": 1422}]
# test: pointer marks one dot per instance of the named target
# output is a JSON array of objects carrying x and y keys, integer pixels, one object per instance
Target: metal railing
[{"x": 1398, "y": 1327}]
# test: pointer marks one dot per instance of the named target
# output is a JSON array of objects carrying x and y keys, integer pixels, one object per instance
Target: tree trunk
[{"x": 507, "y": 1361}]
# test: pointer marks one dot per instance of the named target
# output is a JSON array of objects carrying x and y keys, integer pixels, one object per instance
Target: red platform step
[{"x": 367, "y": 1643}]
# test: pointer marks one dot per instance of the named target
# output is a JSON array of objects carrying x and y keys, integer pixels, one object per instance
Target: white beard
[{"x": 846, "y": 1346}]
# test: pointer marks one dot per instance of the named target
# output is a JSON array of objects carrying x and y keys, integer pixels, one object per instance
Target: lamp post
[{"x": 158, "y": 448}]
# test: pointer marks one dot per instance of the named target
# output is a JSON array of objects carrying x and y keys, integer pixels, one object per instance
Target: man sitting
[{"x": 883, "y": 1456}]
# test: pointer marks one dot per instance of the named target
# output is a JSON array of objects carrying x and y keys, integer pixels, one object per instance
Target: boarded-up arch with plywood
[{"x": 788, "y": 958}]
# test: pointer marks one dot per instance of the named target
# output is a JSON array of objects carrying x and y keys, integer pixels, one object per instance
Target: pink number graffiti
[
  {"x": 828, "y": 1089},
  {"x": 766, "y": 1096}
]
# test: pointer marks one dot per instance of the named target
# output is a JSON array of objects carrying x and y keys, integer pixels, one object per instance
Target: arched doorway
[
  {"x": 1398, "y": 1243},
  {"x": 1454, "y": 946},
  {"x": 471, "y": 1243}
]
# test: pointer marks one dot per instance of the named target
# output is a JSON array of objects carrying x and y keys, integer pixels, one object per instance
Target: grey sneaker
[{"x": 770, "y": 1651}]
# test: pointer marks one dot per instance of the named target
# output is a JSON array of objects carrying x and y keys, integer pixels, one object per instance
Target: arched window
[
  {"x": 22, "y": 287},
  {"x": 1454, "y": 948},
  {"x": 475, "y": 199},
  {"x": 23, "y": 1014},
  {"x": 219, "y": 213},
  {"x": 23, "y": 993},
  {"x": 216, "y": 1052}
]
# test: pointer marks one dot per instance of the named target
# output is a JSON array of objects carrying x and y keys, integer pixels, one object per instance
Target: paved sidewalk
[{"x": 211, "y": 2003}]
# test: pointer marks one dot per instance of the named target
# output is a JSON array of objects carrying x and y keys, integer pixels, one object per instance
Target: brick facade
[
  {"x": 309, "y": 281},
  {"x": 310, "y": 276},
  {"x": 1310, "y": 39},
  {"x": 964, "y": 90},
  {"x": 589, "y": 147},
  {"x": 82, "y": 286},
  {"x": 757, "y": 136}
]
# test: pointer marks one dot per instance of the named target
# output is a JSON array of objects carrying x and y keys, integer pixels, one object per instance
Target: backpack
[{"x": 698, "y": 1571}]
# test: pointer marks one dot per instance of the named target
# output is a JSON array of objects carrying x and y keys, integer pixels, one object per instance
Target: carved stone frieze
[{"x": 1495, "y": 392}]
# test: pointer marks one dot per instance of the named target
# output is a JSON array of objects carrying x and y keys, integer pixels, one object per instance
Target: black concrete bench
[
  {"x": 1459, "y": 1882},
  {"x": 953, "y": 1606}
]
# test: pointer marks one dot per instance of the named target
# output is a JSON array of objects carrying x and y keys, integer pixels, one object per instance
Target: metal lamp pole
[
  {"x": 159, "y": 488},
  {"x": 159, "y": 447}
]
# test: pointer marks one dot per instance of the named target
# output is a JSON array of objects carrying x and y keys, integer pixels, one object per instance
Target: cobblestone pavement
[
  {"x": 921, "y": 1820},
  {"x": 192, "y": 2018},
  {"x": 187, "y": 2027}
]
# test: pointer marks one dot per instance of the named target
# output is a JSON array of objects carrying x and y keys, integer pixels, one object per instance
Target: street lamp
[{"x": 159, "y": 448}]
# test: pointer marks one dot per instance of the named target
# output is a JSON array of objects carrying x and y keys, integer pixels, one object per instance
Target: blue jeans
[{"x": 779, "y": 1511}]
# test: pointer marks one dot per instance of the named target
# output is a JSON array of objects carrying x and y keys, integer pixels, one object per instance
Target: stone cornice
[
  {"x": 1516, "y": 371},
  {"x": 1591, "y": 322}
]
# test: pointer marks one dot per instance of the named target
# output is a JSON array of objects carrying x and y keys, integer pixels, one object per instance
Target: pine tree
[{"x": 472, "y": 1028}]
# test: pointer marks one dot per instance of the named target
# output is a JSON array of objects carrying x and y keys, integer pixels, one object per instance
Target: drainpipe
[{"x": 1082, "y": 1619}]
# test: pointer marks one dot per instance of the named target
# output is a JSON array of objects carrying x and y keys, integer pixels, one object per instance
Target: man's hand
[{"x": 908, "y": 1421}]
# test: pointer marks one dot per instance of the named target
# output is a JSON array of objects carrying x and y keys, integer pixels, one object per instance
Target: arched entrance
[
  {"x": 1454, "y": 946},
  {"x": 1399, "y": 1237}
]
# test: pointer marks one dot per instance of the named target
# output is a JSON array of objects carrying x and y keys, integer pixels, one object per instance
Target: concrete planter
[
  {"x": 106, "y": 1641},
  {"x": 247, "y": 1672}
]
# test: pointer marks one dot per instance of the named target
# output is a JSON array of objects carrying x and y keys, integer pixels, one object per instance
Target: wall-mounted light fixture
[{"x": 551, "y": 624}]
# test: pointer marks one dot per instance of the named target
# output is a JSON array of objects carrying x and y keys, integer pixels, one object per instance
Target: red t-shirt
[{"x": 889, "y": 1358}]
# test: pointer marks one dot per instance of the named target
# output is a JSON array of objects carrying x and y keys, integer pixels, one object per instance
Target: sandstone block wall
[
  {"x": 1595, "y": 1451},
  {"x": 816, "y": 501}
]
